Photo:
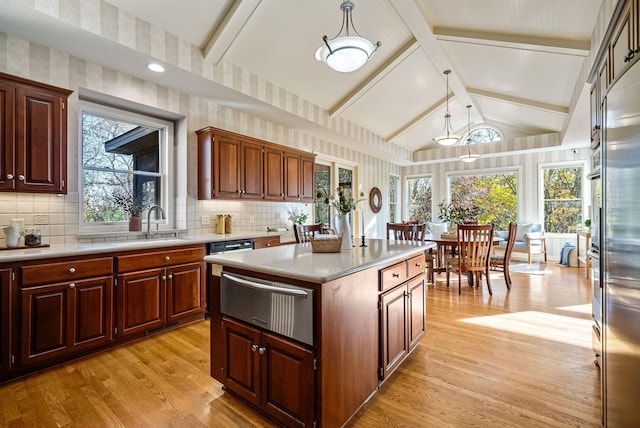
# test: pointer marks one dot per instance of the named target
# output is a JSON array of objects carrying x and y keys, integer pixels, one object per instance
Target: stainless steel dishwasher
[{"x": 282, "y": 308}]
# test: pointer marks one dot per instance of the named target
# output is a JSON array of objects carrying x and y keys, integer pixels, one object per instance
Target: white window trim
[
  {"x": 585, "y": 191},
  {"x": 166, "y": 129},
  {"x": 405, "y": 195}
]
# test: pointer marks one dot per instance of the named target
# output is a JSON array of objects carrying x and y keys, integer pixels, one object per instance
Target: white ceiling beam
[
  {"x": 416, "y": 120},
  {"x": 515, "y": 41},
  {"x": 411, "y": 14},
  {"x": 519, "y": 101},
  {"x": 374, "y": 78},
  {"x": 227, "y": 31}
]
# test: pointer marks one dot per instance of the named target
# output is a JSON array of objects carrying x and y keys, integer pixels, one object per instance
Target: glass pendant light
[
  {"x": 448, "y": 137},
  {"x": 469, "y": 157}
]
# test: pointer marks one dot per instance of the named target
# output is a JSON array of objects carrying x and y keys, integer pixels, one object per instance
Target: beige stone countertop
[
  {"x": 81, "y": 249},
  {"x": 298, "y": 262}
]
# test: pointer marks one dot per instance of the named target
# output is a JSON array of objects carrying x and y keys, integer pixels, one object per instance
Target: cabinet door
[
  {"x": 92, "y": 312},
  {"x": 417, "y": 310},
  {"x": 394, "y": 337},
  {"x": 41, "y": 155},
  {"x": 46, "y": 322},
  {"x": 185, "y": 291},
  {"x": 622, "y": 41},
  {"x": 273, "y": 174},
  {"x": 292, "y": 191},
  {"x": 289, "y": 385},
  {"x": 5, "y": 319},
  {"x": 251, "y": 171},
  {"x": 141, "y": 301},
  {"x": 7, "y": 142},
  {"x": 307, "y": 178},
  {"x": 226, "y": 167},
  {"x": 242, "y": 365}
]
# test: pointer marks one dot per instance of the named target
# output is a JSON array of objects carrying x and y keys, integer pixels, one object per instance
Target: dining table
[{"x": 447, "y": 244}]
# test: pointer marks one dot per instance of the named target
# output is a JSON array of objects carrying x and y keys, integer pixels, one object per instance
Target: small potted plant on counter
[{"x": 132, "y": 207}]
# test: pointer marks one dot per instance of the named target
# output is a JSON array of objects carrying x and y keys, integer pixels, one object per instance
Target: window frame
[
  {"x": 165, "y": 164},
  {"x": 405, "y": 192},
  {"x": 565, "y": 164},
  {"x": 396, "y": 209}
]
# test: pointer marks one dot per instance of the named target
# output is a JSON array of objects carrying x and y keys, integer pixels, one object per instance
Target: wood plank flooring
[{"x": 519, "y": 358}]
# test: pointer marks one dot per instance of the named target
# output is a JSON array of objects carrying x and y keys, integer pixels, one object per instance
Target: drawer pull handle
[
  {"x": 167, "y": 258},
  {"x": 418, "y": 265},
  {"x": 395, "y": 275},
  {"x": 72, "y": 270},
  {"x": 72, "y": 285}
]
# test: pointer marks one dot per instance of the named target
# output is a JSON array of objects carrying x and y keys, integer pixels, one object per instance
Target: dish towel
[{"x": 564, "y": 253}]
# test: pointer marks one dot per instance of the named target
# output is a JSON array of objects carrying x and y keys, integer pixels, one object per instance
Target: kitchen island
[{"x": 368, "y": 314}]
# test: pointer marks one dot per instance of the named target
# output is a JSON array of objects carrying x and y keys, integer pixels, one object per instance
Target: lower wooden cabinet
[
  {"x": 61, "y": 318},
  {"x": 402, "y": 322},
  {"x": 274, "y": 374},
  {"x": 266, "y": 242},
  {"x": 153, "y": 298},
  {"x": 5, "y": 321}
]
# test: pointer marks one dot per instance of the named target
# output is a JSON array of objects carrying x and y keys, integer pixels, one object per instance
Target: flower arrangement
[
  {"x": 456, "y": 214},
  {"x": 340, "y": 200},
  {"x": 132, "y": 205},
  {"x": 300, "y": 217}
]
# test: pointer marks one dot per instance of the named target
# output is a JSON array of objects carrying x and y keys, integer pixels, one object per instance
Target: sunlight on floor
[
  {"x": 559, "y": 328},
  {"x": 580, "y": 309}
]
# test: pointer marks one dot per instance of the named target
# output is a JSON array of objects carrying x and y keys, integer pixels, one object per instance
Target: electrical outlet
[
  {"x": 41, "y": 219},
  {"x": 252, "y": 219},
  {"x": 204, "y": 220},
  {"x": 18, "y": 222}
]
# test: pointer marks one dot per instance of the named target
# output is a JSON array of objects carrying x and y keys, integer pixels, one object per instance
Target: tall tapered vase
[{"x": 343, "y": 227}]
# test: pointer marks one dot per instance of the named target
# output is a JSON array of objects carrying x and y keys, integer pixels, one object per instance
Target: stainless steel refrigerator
[{"x": 620, "y": 252}]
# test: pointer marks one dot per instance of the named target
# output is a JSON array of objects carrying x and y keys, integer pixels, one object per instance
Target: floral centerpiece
[
  {"x": 344, "y": 204},
  {"x": 456, "y": 214},
  {"x": 132, "y": 206}
]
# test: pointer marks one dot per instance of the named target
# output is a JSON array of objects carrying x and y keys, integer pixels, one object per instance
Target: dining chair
[
  {"x": 413, "y": 231},
  {"x": 472, "y": 256},
  {"x": 305, "y": 231},
  {"x": 500, "y": 262}
]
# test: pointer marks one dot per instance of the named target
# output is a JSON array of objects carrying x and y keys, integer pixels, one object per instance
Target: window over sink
[{"x": 124, "y": 168}]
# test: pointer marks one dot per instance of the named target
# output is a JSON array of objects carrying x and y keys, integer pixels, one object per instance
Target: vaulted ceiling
[{"x": 518, "y": 63}]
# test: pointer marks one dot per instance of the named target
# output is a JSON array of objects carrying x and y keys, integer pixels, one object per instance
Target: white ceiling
[{"x": 516, "y": 62}]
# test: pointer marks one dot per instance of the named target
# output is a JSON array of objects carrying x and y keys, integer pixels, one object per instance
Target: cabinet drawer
[
  {"x": 65, "y": 271},
  {"x": 416, "y": 265},
  {"x": 393, "y": 275},
  {"x": 272, "y": 241},
  {"x": 162, "y": 258}
]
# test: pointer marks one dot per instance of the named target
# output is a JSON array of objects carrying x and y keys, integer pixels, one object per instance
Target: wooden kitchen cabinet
[
  {"x": 64, "y": 307},
  {"x": 5, "y": 321},
  {"x": 273, "y": 374},
  {"x": 402, "y": 311},
  {"x": 234, "y": 166},
  {"x": 33, "y": 139},
  {"x": 157, "y": 288},
  {"x": 299, "y": 178},
  {"x": 624, "y": 40}
]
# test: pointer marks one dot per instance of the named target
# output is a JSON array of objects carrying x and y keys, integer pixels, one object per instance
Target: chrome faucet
[{"x": 151, "y": 234}]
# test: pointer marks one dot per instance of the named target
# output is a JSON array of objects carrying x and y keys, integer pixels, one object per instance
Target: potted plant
[
  {"x": 300, "y": 217},
  {"x": 343, "y": 203},
  {"x": 132, "y": 206}
]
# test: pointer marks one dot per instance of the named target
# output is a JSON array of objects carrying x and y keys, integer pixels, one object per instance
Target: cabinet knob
[
  {"x": 170, "y": 276},
  {"x": 21, "y": 177},
  {"x": 418, "y": 265},
  {"x": 254, "y": 347},
  {"x": 72, "y": 285},
  {"x": 261, "y": 350},
  {"x": 72, "y": 270},
  {"x": 9, "y": 176},
  {"x": 164, "y": 277},
  {"x": 167, "y": 258},
  {"x": 268, "y": 245}
]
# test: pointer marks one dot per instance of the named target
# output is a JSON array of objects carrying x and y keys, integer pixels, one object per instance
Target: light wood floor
[{"x": 516, "y": 359}]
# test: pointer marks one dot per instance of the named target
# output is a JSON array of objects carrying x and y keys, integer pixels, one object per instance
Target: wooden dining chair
[
  {"x": 500, "y": 262},
  {"x": 472, "y": 256},
  {"x": 305, "y": 231},
  {"x": 413, "y": 231}
]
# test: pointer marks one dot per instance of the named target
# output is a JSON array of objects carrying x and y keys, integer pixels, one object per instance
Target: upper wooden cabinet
[
  {"x": 233, "y": 166},
  {"x": 33, "y": 136}
]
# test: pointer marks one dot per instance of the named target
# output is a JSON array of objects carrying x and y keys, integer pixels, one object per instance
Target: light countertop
[
  {"x": 80, "y": 249},
  {"x": 298, "y": 262}
]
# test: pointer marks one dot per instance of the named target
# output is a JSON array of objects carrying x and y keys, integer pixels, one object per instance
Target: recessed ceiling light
[{"x": 155, "y": 67}]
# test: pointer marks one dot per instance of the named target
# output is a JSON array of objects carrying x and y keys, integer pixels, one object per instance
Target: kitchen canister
[
  {"x": 220, "y": 225},
  {"x": 11, "y": 236},
  {"x": 228, "y": 223}
]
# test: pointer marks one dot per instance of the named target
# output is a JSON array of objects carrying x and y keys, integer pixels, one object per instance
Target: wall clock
[{"x": 375, "y": 200}]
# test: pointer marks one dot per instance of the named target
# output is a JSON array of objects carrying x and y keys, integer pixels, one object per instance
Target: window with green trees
[
  {"x": 420, "y": 200},
  {"x": 562, "y": 198},
  {"x": 394, "y": 181},
  {"x": 323, "y": 184},
  {"x": 492, "y": 196}
]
